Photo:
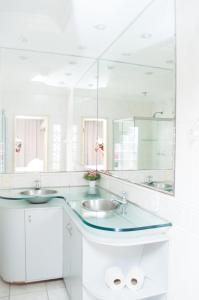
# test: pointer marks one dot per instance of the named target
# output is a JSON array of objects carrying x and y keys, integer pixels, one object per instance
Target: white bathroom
[{"x": 99, "y": 140}]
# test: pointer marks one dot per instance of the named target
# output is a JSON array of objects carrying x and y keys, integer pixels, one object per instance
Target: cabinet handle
[
  {"x": 69, "y": 229},
  {"x": 29, "y": 219}
]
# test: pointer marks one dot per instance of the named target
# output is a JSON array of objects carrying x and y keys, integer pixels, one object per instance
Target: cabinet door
[
  {"x": 12, "y": 245},
  {"x": 72, "y": 259},
  {"x": 44, "y": 243},
  {"x": 67, "y": 252},
  {"x": 76, "y": 263}
]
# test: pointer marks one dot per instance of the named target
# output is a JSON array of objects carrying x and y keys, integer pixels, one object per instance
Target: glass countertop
[{"x": 135, "y": 218}]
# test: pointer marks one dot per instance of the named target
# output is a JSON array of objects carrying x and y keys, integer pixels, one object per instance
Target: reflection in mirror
[
  {"x": 2, "y": 142},
  {"x": 136, "y": 96},
  {"x": 44, "y": 99},
  {"x": 31, "y": 144}
]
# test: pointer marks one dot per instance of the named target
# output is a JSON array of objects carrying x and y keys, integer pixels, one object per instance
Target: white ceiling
[
  {"x": 65, "y": 26},
  {"x": 150, "y": 40},
  {"x": 130, "y": 31},
  {"x": 128, "y": 82}
]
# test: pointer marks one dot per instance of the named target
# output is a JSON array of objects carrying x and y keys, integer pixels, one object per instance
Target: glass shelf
[{"x": 136, "y": 218}]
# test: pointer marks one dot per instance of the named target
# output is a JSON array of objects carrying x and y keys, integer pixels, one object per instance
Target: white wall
[{"x": 183, "y": 209}]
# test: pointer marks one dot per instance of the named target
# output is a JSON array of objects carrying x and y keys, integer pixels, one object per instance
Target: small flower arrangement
[{"x": 92, "y": 175}]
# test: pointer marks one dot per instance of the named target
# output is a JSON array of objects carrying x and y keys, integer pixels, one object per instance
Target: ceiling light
[
  {"x": 146, "y": 35},
  {"x": 149, "y": 73},
  {"x": 80, "y": 47},
  {"x": 169, "y": 61},
  {"x": 144, "y": 93},
  {"x": 72, "y": 63},
  {"x": 23, "y": 57},
  {"x": 110, "y": 67},
  {"x": 126, "y": 54},
  {"x": 68, "y": 74},
  {"x": 100, "y": 26},
  {"x": 23, "y": 39}
]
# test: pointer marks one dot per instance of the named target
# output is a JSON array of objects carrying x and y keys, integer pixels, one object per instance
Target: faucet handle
[
  {"x": 37, "y": 184},
  {"x": 124, "y": 194},
  {"x": 149, "y": 179}
]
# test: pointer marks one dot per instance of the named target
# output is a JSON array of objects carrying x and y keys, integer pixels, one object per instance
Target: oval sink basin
[
  {"x": 39, "y": 195},
  {"x": 99, "y": 208},
  {"x": 161, "y": 185}
]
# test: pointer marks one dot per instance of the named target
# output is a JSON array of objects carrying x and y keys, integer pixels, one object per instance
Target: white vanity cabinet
[
  {"x": 72, "y": 259},
  {"x": 88, "y": 254},
  {"x": 44, "y": 251},
  {"x": 31, "y": 244}
]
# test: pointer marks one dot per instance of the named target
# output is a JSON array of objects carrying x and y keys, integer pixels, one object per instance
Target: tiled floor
[{"x": 49, "y": 290}]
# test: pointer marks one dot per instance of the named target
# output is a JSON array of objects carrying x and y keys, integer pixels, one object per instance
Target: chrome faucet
[
  {"x": 149, "y": 179},
  {"x": 37, "y": 185},
  {"x": 123, "y": 201}
]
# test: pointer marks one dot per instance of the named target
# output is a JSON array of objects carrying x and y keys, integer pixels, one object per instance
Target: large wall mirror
[
  {"x": 46, "y": 100},
  {"x": 136, "y": 97},
  {"x": 85, "y": 90}
]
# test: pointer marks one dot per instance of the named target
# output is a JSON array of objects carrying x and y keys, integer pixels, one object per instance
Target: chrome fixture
[
  {"x": 149, "y": 179},
  {"x": 123, "y": 201},
  {"x": 100, "y": 208},
  {"x": 37, "y": 185},
  {"x": 156, "y": 113}
]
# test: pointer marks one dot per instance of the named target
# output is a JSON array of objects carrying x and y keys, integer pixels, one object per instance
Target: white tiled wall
[
  {"x": 183, "y": 209},
  {"x": 46, "y": 179}
]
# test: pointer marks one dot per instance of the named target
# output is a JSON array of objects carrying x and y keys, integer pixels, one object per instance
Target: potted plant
[{"x": 92, "y": 176}]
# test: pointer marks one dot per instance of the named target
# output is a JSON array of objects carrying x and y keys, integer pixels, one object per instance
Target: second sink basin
[
  {"x": 39, "y": 195},
  {"x": 168, "y": 187},
  {"x": 99, "y": 208}
]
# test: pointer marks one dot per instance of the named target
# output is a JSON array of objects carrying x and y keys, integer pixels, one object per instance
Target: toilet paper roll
[
  {"x": 135, "y": 279},
  {"x": 114, "y": 278}
]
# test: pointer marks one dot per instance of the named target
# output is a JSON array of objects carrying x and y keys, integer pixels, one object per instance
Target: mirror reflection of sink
[
  {"x": 161, "y": 185},
  {"x": 100, "y": 208},
  {"x": 39, "y": 195}
]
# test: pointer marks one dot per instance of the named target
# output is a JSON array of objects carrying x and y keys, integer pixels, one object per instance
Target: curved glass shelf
[{"x": 136, "y": 218}]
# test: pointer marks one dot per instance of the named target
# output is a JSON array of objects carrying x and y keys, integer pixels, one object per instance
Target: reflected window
[
  {"x": 30, "y": 144},
  {"x": 56, "y": 147},
  {"x": 94, "y": 143}
]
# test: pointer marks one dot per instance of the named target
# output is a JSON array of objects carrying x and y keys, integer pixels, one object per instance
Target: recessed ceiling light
[
  {"x": 169, "y": 61},
  {"x": 100, "y": 26},
  {"x": 126, "y": 54},
  {"x": 80, "y": 47},
  {"x": 146, "y": 35},
  {"x": 23, "y": 57},
  {"x": 68, "y": 74},
  {"x": 72, "y": 63},
  {"x": 110, "y": 67},
  {"x": 23, "y": 39},
  {"x": 149, "y": 73}
]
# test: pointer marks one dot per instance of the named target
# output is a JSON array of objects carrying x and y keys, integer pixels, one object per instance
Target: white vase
[{"x": 92, "y": 183}]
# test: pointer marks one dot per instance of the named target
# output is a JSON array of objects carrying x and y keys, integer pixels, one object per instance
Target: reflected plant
[{"x": 92, "y": 175}]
